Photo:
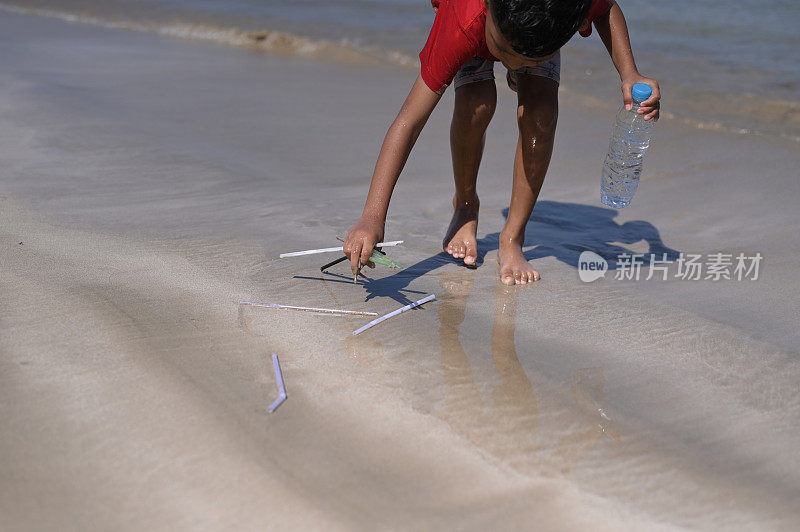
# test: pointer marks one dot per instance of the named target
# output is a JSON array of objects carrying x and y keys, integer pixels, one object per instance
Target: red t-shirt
[{"x": 459, "y": 34}]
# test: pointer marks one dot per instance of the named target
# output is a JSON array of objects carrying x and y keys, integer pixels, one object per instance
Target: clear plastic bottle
[{"x": 629, "y": 141}]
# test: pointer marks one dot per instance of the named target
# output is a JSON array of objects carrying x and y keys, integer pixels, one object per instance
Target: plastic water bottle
[{"x": 629, "y": 140}]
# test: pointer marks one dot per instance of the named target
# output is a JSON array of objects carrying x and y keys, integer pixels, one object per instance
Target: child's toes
[{"x": 471, "y": 254}]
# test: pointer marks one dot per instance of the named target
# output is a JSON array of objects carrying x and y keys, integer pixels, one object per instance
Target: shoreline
[
  {"x": 742, "y": 114},
  {"x": 153, "y": 184}
]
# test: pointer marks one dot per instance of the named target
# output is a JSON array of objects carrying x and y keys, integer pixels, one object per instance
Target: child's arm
[
  {"x": 402, "y": 135},
  {"x": 614, "y": 32}
]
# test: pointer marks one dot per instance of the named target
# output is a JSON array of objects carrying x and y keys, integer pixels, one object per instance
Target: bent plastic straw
[
  {"x": 330, "y": 250},
  {"x": 278, "y": 377},
  {"x": 310, "y": 309},
  {"x": 392, "y": 314}
]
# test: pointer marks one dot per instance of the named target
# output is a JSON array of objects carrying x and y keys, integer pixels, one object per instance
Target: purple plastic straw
[{"x": 278, "y": 377}]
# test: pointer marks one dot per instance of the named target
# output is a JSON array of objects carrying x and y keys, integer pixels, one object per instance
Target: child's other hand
[
  {"x": 361, "y": 240},
  {"x": 651, "y": 106}
]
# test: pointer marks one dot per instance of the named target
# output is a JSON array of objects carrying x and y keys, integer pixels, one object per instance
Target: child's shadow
[
  {"x": 556, "y": 229},
  {"x": 565, "y": 230}
]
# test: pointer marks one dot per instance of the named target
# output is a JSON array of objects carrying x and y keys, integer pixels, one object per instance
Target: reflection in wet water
[
  {"x": 507, "y": 428},
  {"x": 512, "y": 421}
]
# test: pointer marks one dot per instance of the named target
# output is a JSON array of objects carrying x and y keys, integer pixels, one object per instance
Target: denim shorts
[{"x": 480, "y": 69}]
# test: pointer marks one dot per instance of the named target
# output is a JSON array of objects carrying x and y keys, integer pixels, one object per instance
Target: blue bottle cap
[{"x": 641, "y": 92}]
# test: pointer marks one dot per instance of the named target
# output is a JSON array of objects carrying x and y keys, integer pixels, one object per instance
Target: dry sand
[{"x": 149, "y": 184}]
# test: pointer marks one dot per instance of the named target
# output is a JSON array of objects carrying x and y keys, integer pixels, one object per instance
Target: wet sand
[{"x": 149, "y": 184}]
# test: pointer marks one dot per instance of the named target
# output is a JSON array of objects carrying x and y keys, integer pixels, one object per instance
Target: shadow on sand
[{"x": 556, "y": 229}]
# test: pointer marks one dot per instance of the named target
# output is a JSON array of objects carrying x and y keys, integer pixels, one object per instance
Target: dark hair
[{"x": 536, "y": 28}]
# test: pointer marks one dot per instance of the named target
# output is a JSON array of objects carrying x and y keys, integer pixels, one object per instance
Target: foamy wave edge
[
  {"x": 777, "y": 110},
  {"x": 266, "y": 40}
]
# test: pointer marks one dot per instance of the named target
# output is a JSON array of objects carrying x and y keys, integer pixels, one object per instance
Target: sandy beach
[{"x": 149, "y": 184}]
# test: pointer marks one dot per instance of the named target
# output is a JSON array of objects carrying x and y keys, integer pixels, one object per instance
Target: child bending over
[{"x": 467, "y": 37}]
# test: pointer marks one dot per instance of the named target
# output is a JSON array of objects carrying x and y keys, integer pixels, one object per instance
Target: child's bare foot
[
  {"x": 514, "y": 268},
  {"x": 461, "y": 240}
]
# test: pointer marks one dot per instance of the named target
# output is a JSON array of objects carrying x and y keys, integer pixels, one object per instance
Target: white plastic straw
[
  {"x": 278, "y": 377},
  {"x": 311, "y": 309},
  {"x": 330, "y": 250},
  {"x": 392, "y": 314}
]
